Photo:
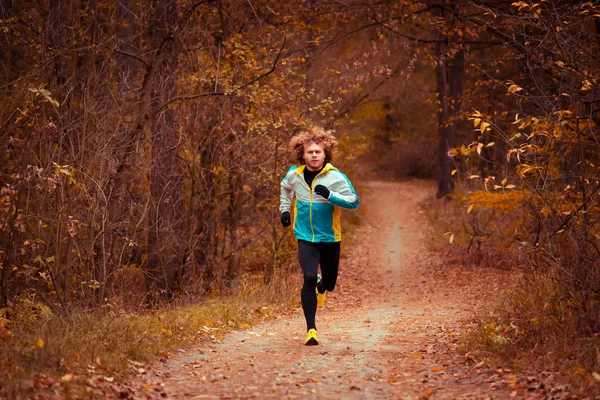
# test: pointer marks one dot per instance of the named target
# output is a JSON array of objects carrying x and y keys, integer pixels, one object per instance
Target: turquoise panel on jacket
[
  {"x": 302, "y": 227},
  {"x": 323, "y": 222}
]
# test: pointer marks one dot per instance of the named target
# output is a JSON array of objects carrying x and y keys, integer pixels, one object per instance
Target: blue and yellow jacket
[{"x": 316, "y": 219}]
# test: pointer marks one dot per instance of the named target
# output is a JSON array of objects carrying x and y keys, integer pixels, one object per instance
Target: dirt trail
[{"x": 389, "y": 330}]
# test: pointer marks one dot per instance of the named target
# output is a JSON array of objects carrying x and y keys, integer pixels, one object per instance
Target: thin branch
[
  {"x": 134, "y": 56},
  {"x": 570, "y": 216},
  {"x": 185, "y": 15}
]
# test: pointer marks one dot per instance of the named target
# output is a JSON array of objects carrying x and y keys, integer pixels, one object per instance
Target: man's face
[{"x": 314, "y": 156}]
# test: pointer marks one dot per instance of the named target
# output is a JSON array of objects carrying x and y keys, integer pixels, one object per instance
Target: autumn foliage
[
  {"x": 142, "y": 144},
  {"x": 528, "y": 181}
]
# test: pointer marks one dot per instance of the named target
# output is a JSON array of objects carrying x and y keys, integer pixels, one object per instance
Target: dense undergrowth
[
  {"x": 47, "y": 353},
  {"x": 39, "y": 348},
  {"x": 542, "y": 323}
]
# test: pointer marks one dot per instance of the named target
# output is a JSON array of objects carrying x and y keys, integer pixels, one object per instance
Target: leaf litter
[{"x": 390, "y": 330}]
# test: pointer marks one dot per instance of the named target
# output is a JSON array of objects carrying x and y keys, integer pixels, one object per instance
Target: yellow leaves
[
  {"x": 40, "y": 343},
  {"x": 45, "y": 94},
  {"x": 520, "y": 5},
  {"x": 478, "y": 122},
  {"x": 502, "y": 202},
  {"x": 245, "y": 326},
  {"x": 416, "y": 356},
  {"x": 476, "y": 118},
  {"x": 518, "y": 121},
  {"x": 450, "y": 236},
  {"x": 470, "y": 208},
  {"x": 67, "y": 378},
  {"x": 484, "y": 126},
  {"x": 560, "y": 64},
  {"x": 524, "y": 169},
  {"x": 563, "y": 114},
  {"x": 586, "y": 85},
  {"x": 513, "y": 87},
  {"x": 66, "y": 170},
  {"x": 62, "y": 170}
]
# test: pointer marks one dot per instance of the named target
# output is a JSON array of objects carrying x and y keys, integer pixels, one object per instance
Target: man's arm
[
  {"x": 343, "y": 195},
  {"x": 286, "y": 196}
]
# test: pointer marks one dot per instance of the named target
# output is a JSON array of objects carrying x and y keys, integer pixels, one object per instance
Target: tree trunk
[
  {"x": 449, "y": 72},
  {"x": 270, "y": 267},
  {"x": 233, "y": 212},
  {"x": 445, "y": 181},
  {"x": 165, "y": 237}
]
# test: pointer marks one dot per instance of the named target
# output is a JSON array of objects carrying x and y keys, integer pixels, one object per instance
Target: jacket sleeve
[
  {"x": 286, "y": 196},
  {"x": 344, "y": 194}
]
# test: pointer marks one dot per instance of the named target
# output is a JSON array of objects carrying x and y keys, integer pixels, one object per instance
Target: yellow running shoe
[
  {"x": 320, "y": 296},
  {"x": 311, "y": 338}
]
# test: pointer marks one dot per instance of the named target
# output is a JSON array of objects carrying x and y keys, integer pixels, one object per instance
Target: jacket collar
[{"x": 327, "y": 167}]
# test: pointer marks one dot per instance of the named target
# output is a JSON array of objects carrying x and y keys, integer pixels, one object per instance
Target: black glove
[
  {"x": 322, "y": 191},
  {"x": 285, "y": 219}
]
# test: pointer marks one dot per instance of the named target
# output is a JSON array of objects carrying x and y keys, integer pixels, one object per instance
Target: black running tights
[{"x": 310, "y": 256}]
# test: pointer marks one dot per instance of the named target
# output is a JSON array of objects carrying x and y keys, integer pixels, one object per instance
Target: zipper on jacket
[{"x": 312, "y": 228}]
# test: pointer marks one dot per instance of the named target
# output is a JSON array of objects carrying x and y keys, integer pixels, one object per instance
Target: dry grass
[
  {"x": 541, "y": 325},
  {"x": 38, "y": 344},
  {"x": 38, "y": 347}
]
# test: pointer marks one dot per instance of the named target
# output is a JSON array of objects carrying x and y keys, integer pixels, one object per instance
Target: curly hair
[{"x": 313, "y": 134}]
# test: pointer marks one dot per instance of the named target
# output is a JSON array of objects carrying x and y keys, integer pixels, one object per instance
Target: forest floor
[{"x": 390, "y": 330}]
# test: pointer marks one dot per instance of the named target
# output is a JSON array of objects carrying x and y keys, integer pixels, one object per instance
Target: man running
[{"x": 320, "y": 190}]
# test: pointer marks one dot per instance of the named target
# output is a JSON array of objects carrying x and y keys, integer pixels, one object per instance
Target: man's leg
[
  {"x": 330, "y": 261},
  {"x": 308, "y": 254}
]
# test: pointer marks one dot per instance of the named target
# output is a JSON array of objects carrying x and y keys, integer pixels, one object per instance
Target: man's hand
[
  {"x": 285, "y": 219},
  {"x": 322, "y": 191}
]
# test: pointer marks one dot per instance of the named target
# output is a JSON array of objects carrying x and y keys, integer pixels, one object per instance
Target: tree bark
[
  {"x": 166, "y": 248},
  {"x": 445, "y": 182},
  {"x": 450, "y": 82}
]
